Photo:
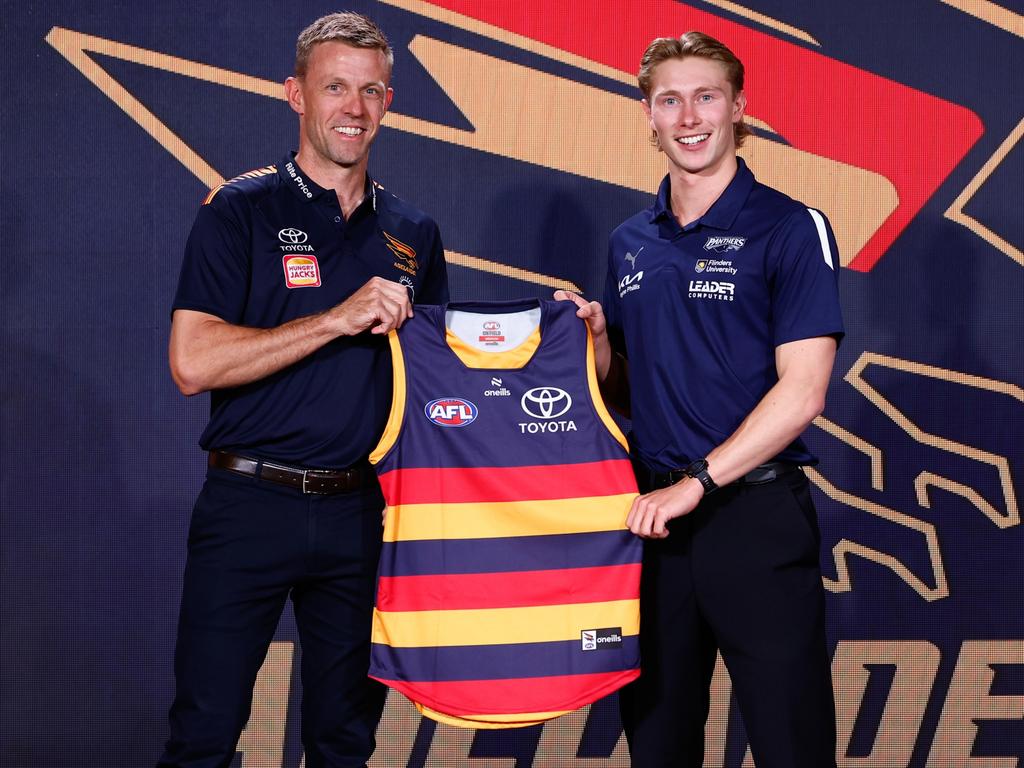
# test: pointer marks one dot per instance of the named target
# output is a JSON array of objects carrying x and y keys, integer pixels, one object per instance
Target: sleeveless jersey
[{"x": 508, "y": 589}]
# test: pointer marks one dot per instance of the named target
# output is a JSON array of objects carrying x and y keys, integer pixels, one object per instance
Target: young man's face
[
  {"x": 341, "y": 100},
  {"x": 692, "y": 109}
]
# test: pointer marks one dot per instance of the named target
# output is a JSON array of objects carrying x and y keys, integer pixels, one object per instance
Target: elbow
[
  {"x": 814, "y": 406},
  {"x": 186, "y": 377}
]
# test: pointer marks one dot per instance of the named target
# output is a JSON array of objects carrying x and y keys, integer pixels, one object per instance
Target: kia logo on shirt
[
  {"x": 546, "y": 402},
  {"x": 292, "y": 235}
]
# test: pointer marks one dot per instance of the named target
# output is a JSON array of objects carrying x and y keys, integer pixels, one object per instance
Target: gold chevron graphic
[
  {"x": 846, "y": 548},
  {"x": 855, "y": 377},
  {"x": 991, "y": 13},
  {"x": 927, "y": 479},
  {"x": 611, "y": 146},
  {"x": 1011, "y": 22},
  {"x": 760, "y": 18},
  {"x": 922, "y": 483},
  {"x": 956, "y": 213},
  {"x": 873, "y": 452},
  {"x": 75, "y": 47},
  {"x": 856, "y": 201}
]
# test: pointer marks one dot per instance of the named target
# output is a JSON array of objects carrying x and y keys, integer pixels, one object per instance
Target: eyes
[
  {"x": 370, "y": 91},
  {"x": 675, "y": 101}
]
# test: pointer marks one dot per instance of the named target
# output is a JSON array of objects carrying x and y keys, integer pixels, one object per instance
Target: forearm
[
  {"x": 615, "y": 383},
  {"x": 782, "y": 414},
  {"x": 207, "y": 353}
]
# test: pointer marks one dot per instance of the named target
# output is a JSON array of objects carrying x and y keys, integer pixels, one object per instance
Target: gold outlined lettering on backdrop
[{"x": 966, "y": 702}]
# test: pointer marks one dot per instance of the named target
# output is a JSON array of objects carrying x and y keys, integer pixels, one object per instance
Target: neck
[
  {"x": 693, "y": 194},
  {"x": 348, "y": 183}
]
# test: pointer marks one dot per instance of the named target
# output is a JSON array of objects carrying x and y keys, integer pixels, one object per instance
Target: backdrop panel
[{"x": 516, "y": 125}]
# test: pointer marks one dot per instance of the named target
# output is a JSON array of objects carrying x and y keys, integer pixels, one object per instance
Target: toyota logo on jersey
[
  {"x": 292, "y": 235},
  {"x": 546, "y": 402},
  {"x": 450, "y": 412}
]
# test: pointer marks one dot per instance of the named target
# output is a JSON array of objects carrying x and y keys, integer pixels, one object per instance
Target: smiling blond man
[
  {"x": 293, "y": 275},
  {"x": 717, "y": 335}
]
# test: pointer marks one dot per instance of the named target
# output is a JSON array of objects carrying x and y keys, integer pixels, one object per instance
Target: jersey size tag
[{"x": 301, "y": 271}]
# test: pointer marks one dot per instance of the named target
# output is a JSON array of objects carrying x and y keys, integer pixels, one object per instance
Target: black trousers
[
  {"x": 740, "y": 575},
  {"x": 251, "y": 545}
]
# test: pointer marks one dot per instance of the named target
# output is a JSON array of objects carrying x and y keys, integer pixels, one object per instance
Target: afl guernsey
[{"x": 508, "y": 588}]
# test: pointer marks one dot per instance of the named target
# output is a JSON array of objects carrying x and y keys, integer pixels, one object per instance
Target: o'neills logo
[
  {"x": 301, "y": 271},
  {"x": 600, "y": 639}
]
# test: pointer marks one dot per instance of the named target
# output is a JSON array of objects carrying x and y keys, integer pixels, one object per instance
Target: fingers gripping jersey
[{"x": 508, "y": 585}]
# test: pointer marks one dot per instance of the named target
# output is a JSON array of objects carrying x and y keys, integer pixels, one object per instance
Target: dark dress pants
[
  {"x": 740, "y": 574},
  {"x": 251, "y": 545}
]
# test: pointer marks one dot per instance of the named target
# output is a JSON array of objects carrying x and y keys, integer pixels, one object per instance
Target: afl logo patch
[
  {"x": 451, "y": 412},
  {"x": 301, "y": 271}
]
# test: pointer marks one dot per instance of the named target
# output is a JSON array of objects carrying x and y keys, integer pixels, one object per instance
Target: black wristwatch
[{"x": 698, "y": 470}]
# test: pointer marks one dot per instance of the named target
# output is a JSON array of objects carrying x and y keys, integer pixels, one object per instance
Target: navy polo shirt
[
  {"x": 699, "y": 311},
  {"x": 271, "y": 246}
]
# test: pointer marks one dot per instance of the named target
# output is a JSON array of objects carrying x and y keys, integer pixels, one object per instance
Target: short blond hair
[
  {"x": 701, "y": 46},
  {"x": 348, "y": 27}
]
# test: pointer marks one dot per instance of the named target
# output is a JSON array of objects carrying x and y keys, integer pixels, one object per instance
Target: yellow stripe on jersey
[
  {"x": 595, "y": 395},
  {"x": 502, "y": 626},
  {"x": 500, "y": 519},
  {"x": 394, "y": 425},
  {"x": 509, "y": 359},
  {"x": 490, "y": 721}
]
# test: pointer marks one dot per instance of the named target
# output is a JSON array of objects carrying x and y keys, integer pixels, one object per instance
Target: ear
[
  {"x": 387, "y": 98},
  {"x": 739, "y": 107},
  {"x": 293, "y": 92},
  {"x": 647, "y": 111}
]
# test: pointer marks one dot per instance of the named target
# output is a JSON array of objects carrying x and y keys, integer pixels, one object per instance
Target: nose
[
  {"x": 353, "y": 102},
  {"x": 688, "y": 115}
]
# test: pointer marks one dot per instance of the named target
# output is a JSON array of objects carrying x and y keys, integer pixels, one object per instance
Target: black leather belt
[
  {"x": 765, "y": 473},
  {"x": 320, "y": 481}
]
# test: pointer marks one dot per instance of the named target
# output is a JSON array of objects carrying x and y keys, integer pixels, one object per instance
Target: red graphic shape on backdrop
[{"x": 816, "y": 103}]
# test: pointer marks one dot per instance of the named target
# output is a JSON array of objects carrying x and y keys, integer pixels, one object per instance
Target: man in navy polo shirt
[
  {"x": 292, "y": 277},
  {"x": 723, "y": 298}
]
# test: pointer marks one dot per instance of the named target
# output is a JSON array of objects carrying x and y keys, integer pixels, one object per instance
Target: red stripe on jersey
[
  {"x": 533, "y": 694},
  {"x": 454, "y": 485},
  {"x": 514, "y": 589}
]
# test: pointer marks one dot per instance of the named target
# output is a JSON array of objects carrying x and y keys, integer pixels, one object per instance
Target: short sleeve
[
  {"x": 435, "y": 281},
  {"x": 803, "y": 263},
  {"x": 216, "y": 268},
  {"x": 612, "y": 308}
]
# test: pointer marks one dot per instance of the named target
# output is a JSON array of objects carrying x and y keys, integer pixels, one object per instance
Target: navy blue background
[{"x": 99, "y": 459}]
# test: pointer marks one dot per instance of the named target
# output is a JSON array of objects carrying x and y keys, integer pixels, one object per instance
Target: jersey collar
[
  {"x": 292, "y": 176},
  {"x": 723, "y": 211}
]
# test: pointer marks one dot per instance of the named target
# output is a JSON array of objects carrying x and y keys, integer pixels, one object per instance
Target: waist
[{"x": 315, "y": 481}]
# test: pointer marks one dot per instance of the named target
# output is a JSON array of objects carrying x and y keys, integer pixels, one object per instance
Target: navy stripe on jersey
[
  {"x": 520, "y": 553},
  {"x": 494, "y": 662}
]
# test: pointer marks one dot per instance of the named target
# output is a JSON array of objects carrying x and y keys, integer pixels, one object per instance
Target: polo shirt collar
[
  {"x": 293, "y": 176},
  {"x": 723, "y": 211}
]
